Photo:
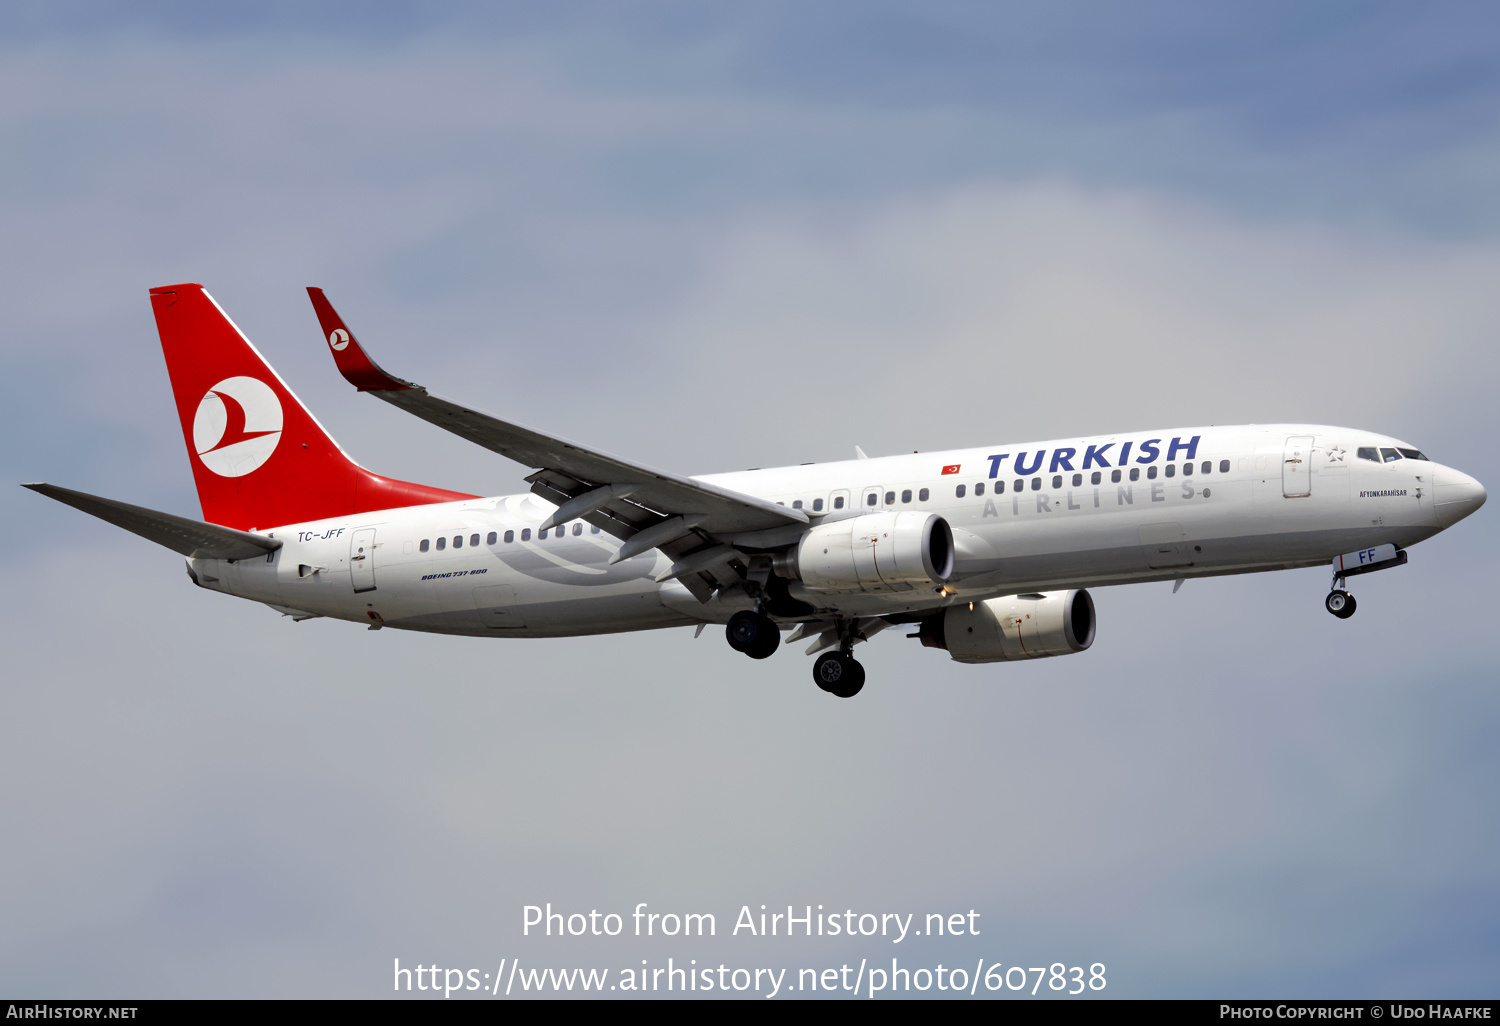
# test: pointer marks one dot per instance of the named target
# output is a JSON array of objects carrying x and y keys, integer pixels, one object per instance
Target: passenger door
[
  {"x": 1296, "y": 467},
  {"x": 362, "y": 559}
]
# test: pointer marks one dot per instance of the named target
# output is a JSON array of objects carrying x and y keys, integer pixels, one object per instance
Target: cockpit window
[
  {"x": 1369, "y": 452},
  {"x": 1412, "y": 454},
  {"x": 1389, "y": 455}
]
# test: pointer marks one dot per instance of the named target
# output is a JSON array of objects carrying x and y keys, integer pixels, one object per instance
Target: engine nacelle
[
  {"x": 1014, "y": 627},
  {"x": 873, "y": 552}
]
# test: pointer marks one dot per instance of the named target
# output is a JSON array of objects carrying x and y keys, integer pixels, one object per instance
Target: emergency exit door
[
  {"x": 362, "y": 559},
  {"x": 1296, "y": 467}
]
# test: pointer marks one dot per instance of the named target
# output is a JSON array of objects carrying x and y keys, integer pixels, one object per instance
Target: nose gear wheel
[{"x": 1340, "y": 603}]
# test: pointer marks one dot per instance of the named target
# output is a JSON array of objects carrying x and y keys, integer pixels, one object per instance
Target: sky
[{"x": 710, "y": 238}]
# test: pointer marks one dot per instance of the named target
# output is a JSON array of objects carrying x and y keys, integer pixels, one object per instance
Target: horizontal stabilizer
[{"x": 189, "y": 537}]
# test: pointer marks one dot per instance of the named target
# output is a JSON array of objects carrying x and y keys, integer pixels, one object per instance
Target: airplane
[{"x": 986, "y": 553}]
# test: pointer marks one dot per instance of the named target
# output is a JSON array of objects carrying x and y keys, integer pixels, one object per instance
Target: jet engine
[
  {"x": 1013, "y": 627},
  {"x": 873, "y": 552}
]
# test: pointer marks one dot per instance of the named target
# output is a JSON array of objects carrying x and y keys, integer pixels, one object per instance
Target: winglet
[{"x": 352, "y": 361}]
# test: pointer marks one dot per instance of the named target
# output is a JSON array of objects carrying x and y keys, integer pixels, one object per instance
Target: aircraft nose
[{"x": 1456, "y": 495}]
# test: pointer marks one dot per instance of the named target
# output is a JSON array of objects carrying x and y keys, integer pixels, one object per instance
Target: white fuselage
[{"x": 1029, "y": 517}]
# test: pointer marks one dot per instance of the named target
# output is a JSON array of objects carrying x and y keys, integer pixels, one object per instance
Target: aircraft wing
[
  {"x": 689, "y": 517},
  {"x": 189, "y": 537}
]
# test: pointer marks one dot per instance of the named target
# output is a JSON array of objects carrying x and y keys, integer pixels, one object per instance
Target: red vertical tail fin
[{"x": 259, "y": 458}]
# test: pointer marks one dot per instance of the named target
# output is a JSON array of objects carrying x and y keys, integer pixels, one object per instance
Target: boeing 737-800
[{"x": 984, "y": 552}]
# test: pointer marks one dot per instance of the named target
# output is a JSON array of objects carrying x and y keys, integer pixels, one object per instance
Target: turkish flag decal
[{"x": 951, "y": 468}]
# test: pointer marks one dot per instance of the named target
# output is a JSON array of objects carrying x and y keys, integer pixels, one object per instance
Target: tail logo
[
  {"x": 339, "y": 339},
  {"x": 237, "y": 426}
]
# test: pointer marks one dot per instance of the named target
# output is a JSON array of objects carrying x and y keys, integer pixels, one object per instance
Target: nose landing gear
[{"x": 1340, "y": 603}]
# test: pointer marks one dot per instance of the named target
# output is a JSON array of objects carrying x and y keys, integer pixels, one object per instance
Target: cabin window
[
  {"x": 577, "y": 529},
  {"x": 1208, "y": 466},
  {"x": 526, "y": 534},
  {"x": 423, "y": 546},
  {"x": 961, "y": 490},
  {"x": 999, "y": 487},
  {"x": 1412, "y": 454},
  {"x": 474, "y": 539},
  {"x": 890, "y": 498},
  {"x": 1097, "y": 477},
  {"x": 1151, "y": 473},
  {"x": 491, "y": 538},
  {"x": 838, "y": 502},
  {"x": 458, "y": 541},
  {"x": 1036, "y": 484},
  {"x": 1077, "y": 480},
  {"x": 510, "y": 536},
  {"x": 1369, "y": 452},
  {"x": 922, "y": 495},
  {"x": 442, "y": 544},
  {"x": 1056, "y": 480},
  {"x": 541, "y": 535},
  {"x": 817, "y": 505},
  {"x": 906, "y": 495},
  {"x": 1223, "y": 466},
  {"x": 796, "y": 504},
  {"x": 1114, "y": 477},
  {"x": 1389, "y": 455},
  {"x": 979, "y": 488},
  {"x": 593, "y": 529},
  {"x": 1018, "y": 486},
  {"x": 1187, "y": 470},
  {"x": 871, "y": 499}
]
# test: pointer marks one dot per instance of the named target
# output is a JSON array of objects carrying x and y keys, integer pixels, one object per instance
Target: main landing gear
[
  {"x": 754, "y": 634},
  {"x": 839, "y": 674},
  {"x": 836, "y": 672}
]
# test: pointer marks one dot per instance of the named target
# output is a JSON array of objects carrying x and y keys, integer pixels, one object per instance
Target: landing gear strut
[
  {"x": 754, "y": 634},
  {"x": 1339, "y": 602}
]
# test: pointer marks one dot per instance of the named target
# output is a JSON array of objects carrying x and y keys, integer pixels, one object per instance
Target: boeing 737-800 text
[{"x": 984, "y": 552}]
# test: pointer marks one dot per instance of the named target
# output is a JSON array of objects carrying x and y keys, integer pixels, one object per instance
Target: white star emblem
[{"x": 1336, "y": 455}]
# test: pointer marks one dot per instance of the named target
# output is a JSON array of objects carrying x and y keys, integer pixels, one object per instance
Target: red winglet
[{"x": 352, "y": 361}]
